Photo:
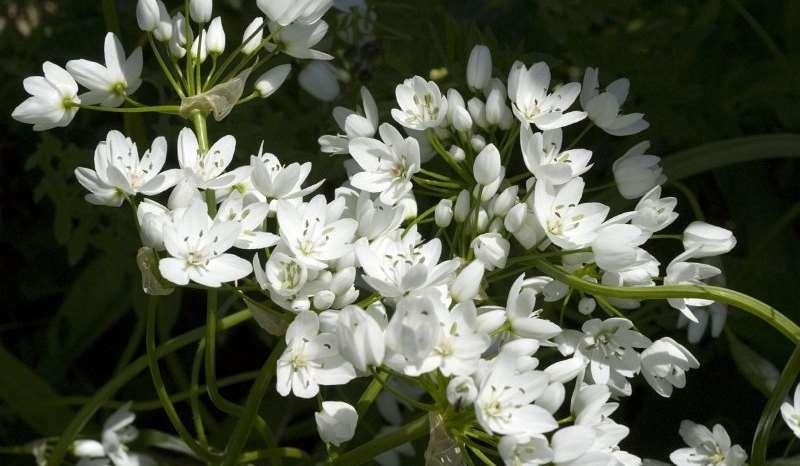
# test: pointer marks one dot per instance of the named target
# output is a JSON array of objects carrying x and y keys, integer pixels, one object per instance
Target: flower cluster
[{"x": 376, "y": 287}]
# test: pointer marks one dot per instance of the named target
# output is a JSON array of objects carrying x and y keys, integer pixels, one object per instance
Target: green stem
[
  {"x": 169, "y": 109},
  {"x": 580, "y": 136},
  {"x": 694, "y": 204},
  {"x": 161, "y": 389},
  {"x": 438, "y": 176},
  {"x": 437, "y": 146},
  {"x": 107, "y": 391},
  {"x": 371, "y": 392},
  {"x": 242, "y": 430},
  {"x": 274, "y": 453},
  {"x": 742, "y": 301},
  {"x": 779, "y": 393},
  {"x": 759, "y": 30},
  {"x": 364, "y": 453},
  {"x": 164, "y": 67},
  {"x": 481, "y": 456},
  {"x": 602, "y": 187},
  {"x": 194, "y": 393},
  {"x": 505, "y": 153}
]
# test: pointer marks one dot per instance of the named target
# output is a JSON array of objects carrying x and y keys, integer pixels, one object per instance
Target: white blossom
[
  {"x": 707, "y": 447},
  {"x": 636, "y": 173},
  {"x": 707, "y": 240},
  {"x": 603, "y": 108},
  {"x": 422, "y": 104},
  {"x": 53, "y": 102},
  {"x": 545, "y": 160},
  {"x": 336, "y": 422},
  {"x": 479, "y": 67},
  {"x": 320, "y": 79},
  {"x": 353, "y": 124},
  {"x": 109, "y": 84},
  {"x": 534, "y": 103},
  {"x": 298, "y": 40},
  {"x": 790, "y": 411},
  {"x": 664, "y": 365}
]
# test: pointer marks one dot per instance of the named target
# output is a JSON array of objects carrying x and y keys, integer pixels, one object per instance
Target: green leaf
[
  {"x": 793, "y": 461},
  {"x": 27, "y": 395},
  {"x": 718, "y": 154},
  {"x": 762, "y": 374}
]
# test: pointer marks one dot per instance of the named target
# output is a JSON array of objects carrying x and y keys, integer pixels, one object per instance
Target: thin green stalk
[
  {"x": 274, "y": 453},
  {"x": 242, "y": 430},
  {"x": 481, "y": 456},
  {"x": 164, "y": 67},
  {"x": 742, "y": 301},
  {"x": 677, "y": 237},
  {"x": 169, "y": 109},
  {"x": 107, "y": 391},
  {"x": 762, "y": 33},
  {"x": 694, "y": 204},
  {"x": 508, "y": 147},
  {"x": 779, "y": 393},
  {"x": 161, "y": 390},
  {"x": 437, "y": 146},
  {"x": 436, "y": 183},
  {"x": 580, "y": 136},
  {"x": 438, "y": 176},
  {"x": 133, "y": 344},
  {"x": 232, "y": 56},
  {"x": 602, "y": 187},
  {"x": 364, "y": 453},
  {"x": 194, "y": 394},
  {"x": 371, "y": 392}
]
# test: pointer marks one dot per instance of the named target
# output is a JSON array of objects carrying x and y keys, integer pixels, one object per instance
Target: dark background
[{"x": 700, "y": 70}]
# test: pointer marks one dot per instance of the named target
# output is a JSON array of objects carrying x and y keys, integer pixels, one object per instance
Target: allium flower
[
  {"x": 274, "y": 181},
  {"x": 198, "y": 246},
  {"x": 413, "y": 332},
  {"x": 353, "y": 124},
  {"x": 603, "y": 108},
  {"x": 507, "y": 391},
  {"x": 375, "y": 219},
  {"x": 119, "y": 171},
  {"x": 654, "y": 213},
  {"x": 109, "y": 84},
  {"x": 285, "y": 12},
  {"x": 251, "y": 217},
  {"x": 336, "y": 422},
  {"x": 216, "y": 37},
  {"x": 53, "y": 102},
  {"x": 152, "y": 217},
  {"x": 461, "y": 342},
  {"x": 637, "y": 173},
  {"x": 479, "y": 67},
  {"x": 522, "y": 450},
  {"x": 314, "y": 231},
  {"x": 200, "y": 10},
  {"x": 664, "y": 365},
  {"x": 707, "y": 240},
  {"x": 533, "y": 102},
  {"x": 520, "y": 314},
  {"x": 706, "y": 447},
  {"x": 297, "y": 40},
  {"x": 361, "y": 339},
  {"x": 422, "y": 104},
  {"x": 387, "y": 166},
  {"x": 461, "y": 391},
  {"x": 283, "y": 275},
  {"x": 207, "y": 171},
  {"x": 253, "y": 35},
  {"x": 311, "y": 359},
  {"x": 681, "y": 272},
  {"x": 545, "y": 160},
  {"x": 182, "y": 36},
  {"x": 567, "y": 223},
  {"x": 398, "y": 265},
  {"x": 112, "y": 450},
  {"x": 491, "y": 249},
  {"x": 616, "y": 247},
  {"x": 791, "y": 412},
  {"x": 272, "y": 80},
  {"x": 320, "y": 79}
]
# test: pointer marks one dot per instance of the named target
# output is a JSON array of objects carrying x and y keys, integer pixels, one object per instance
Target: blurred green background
[{"x": 702, "y": 71}]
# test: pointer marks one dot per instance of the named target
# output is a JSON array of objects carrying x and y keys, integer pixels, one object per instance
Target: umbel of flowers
[{"x": 439, "y": 271}]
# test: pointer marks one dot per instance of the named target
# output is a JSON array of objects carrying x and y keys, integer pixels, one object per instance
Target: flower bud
[
  {"x": 163, "y": 30},
  {"x": 707, "y": 239},
  {"x": 478, "y": 112},
  {"x": 505, "y": 201},
  {"x": 343, "y": 280},
  {"x": 487, "y": 165},
  {"x": 323, "y": 300},
  {"x": 179, "y": 40},
  {"x": 513, "y": 79},
  {"x": 443, "y": 215},
  {"x": 336, "y": 423},
  {"x": 554, "y": 291},
  {"x": 461, "y": 391},
  {"x": 88, "y": 449},
  {"x": 147, "y": 15},
  {"x": 319, "y": 79},
  {"x": 216, "y": 37},
  {"x": 483, "y": 220},
  {"x": 491, "y": 249},
  {"x": 495, "y": 107},
  {"x": 552, "y": 398},
  {"x": 361, "y": 339},
  {"x": 300, "y": 305},
  {"x": 477, "y": 142},
  {"x": 457, "y": 153},
  {"x": 272, "y": 80},
  {"x": 462, "y": 121},
  {"x": 479, "y": 67},
  {"x": 488, "y": 191},
  {"x": 256, "y": 30},
  {"x": 586, "y": 305},
  {"x": 199, "y": 50},
  {"x": 461, "y": 210},
  {"x": 409, "y": 205},
  {"x": 200, "y": 10},
  {"x": 468, "y": 282}
]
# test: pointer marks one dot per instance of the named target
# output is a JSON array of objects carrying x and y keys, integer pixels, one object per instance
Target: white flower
[
  {"x": 413, "y": 332},
  {"x": 507, "y": 391},
  {"x": 215, "y": 43},
  {"x": 387, "y": 166},
  {"x": 283, "y": 275},
  {"x": 522, "y": 450},
  {"x": 314, "y": 232},
  {"x": 119, "y": 171},
  {"x": 467, "y": 284},
  {"x": 320, "y": 79},
  {"x": 361, "y": 339},
  {"x": 637, "y": 173},
  {"x": 285, "y": 12},
  {"x": 253, "y": 35},
  {"x": 311, "y": 359},
  {"x": 200, "y": 10},
  {"x": 462, "y": 206},
  {"x": 147, "y": 15},
  {"x": 603, "y": 108},
  {"x": 791, "y": 412},
  {"x": 533, "y": 102},
  {"x": 108, "y": 85},
  {"x": 118, "y": 431},
  {"x": 492, "y": 250},
  {"x": 461, "y": 342},
  {"x": 53, "y": 102},
  {"x": 707, "y": 448},
  {"x": 272, "y": 80},
  {"x": 680, "y": 272},
  {"x": 397, "y": 266},
  {"x": 274, "y": 181},
  {"x": 616, "y": 247},
  {"x": 336, "y": 422},
  {"x": 568, "y": 223},
  {"x": 152, "y": 217},
  {"x": 199, "y": 49},
  {"x": 181, "y": 37},
  {"x": 479, "y": 67},
  {"x": 251, "y": 217},
  {"x": 443, "y": 215},
  {"x": 522, "y": 222},
  {"x": 716, "y": 314},
  {"x": 521, "y": 314},
  {"x": 207, "y": 170},
  {"x": 375, "y": 219},
  {"x": 545, "y": 160},
  {"x": 654, "y": 213},
  {"x": 461, "y": 391},
  {"x": 497, "y": 112},
  {"x": 664, "y": 365},
  {"x": 422, "y": 104},
  {"x": 353, "y": 124},
  {"x": 707, "y": 240},
  {"x": 297, "y": 40},
  {"x": 487, "y": 166},
  {"x": 198, "y": 246}
]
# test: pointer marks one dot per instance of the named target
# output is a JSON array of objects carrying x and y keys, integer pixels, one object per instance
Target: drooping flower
[
  {"x": 361, "y": 339},
  {"x": 321, "y": 80},
  {"x": 791, "y": 412},
  {"x": 109, "y": 84},
  {"x": 118, "y": 171},
  {"x": 682, "y": 272},
  {"x": 298, "y": 40},
  {"x": 112, "y": 449},
  {"x": 664, "y": 365},
  {"x": 311, "y": 359},
  {"x": 707, "y": 240},
  {"x": 636, "y": 173},
  {"x": 603, "y": 108},
  {"x": 336, "y": 422},
  {"x": 654, "y": 213},
  {"x": 53, "y": 102}
]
